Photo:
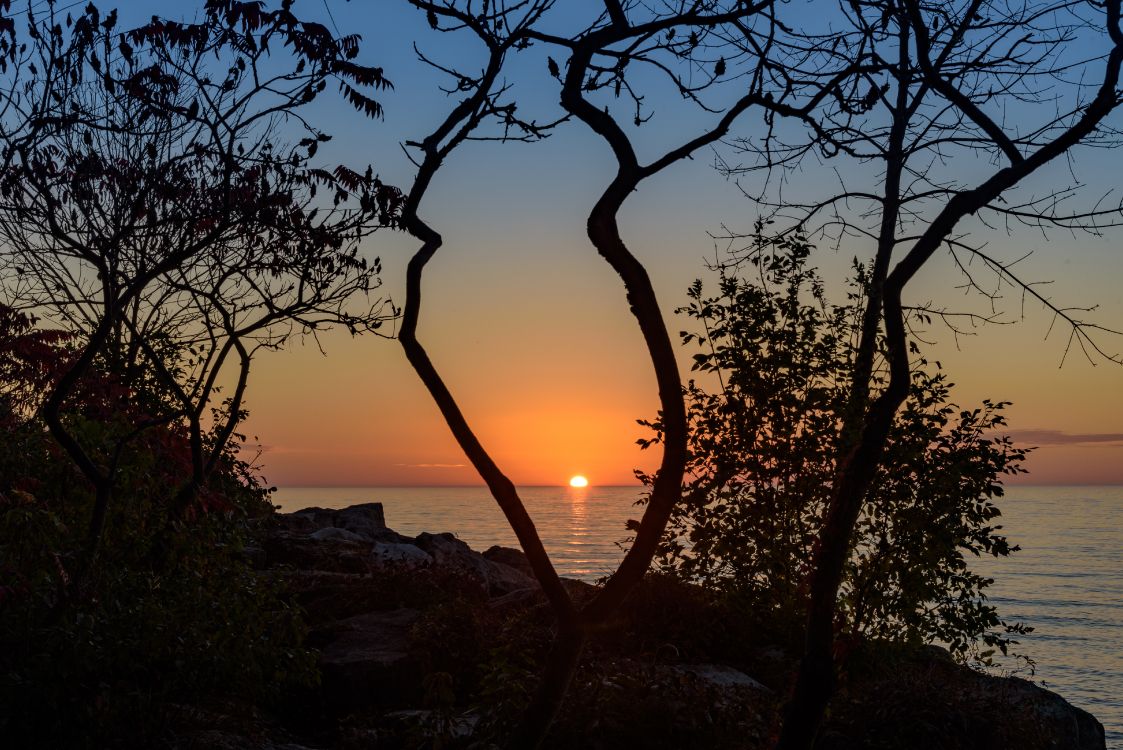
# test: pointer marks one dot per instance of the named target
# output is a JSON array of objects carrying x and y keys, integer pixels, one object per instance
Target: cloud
[
  {"x": 1060, "y": 437},
  {"x": 432, "y": 466}
]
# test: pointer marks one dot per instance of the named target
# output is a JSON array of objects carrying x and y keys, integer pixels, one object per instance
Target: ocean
[{"x": 1066, "y": 582}]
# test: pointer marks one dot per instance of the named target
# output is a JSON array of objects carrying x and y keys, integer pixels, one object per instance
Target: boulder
[
  {"x": 518, "y": 600},
  {"x": 367, "y": 520},
  {"x": 331, "y": 532},
  {"x": 503, "y": 579},
  {"x": 720, "y": 676},
  {"x": 330, "y": 553},
  {"x": 367, "y": 661},
  {"x": 923, "y": 698},
  {"x": 327, "y": 597},
  {"x": 405, "y": 555},
  {"x": 1053, "y": 716},
  {"x": 450, "y": 553},
  {"x": 515, "y": 558}
]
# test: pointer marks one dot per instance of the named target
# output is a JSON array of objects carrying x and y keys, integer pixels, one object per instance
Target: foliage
[
  {"x": 100, "y": 664},
  {"x": 764, "y": 450},
  {"x": 150, "y": 206}
]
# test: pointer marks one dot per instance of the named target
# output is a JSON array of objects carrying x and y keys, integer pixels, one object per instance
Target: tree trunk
[{"x": 556, "y": 678}]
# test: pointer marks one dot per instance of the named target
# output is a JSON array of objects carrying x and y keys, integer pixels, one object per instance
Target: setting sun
[{"x": 578, "y": 481}]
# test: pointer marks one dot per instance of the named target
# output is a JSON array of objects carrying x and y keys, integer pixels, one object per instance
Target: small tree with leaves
[
  {"x": 764, "y": 437},
  {"x": 149, "y": 206}
]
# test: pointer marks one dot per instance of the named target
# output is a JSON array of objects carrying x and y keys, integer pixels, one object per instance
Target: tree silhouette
[
  {"x": 147, "y": 206},
  {"x": 903, "y": 85},
  {"x": 952, "y": 105},
  {"x": 764, "y": 449},
  {"x": 598, "y": 59}
]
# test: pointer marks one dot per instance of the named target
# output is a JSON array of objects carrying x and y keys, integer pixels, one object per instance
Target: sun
[{"x": 578, "y": 481}]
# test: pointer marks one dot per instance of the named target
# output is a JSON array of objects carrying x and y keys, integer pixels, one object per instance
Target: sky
[{"x": 530, "y": 327}]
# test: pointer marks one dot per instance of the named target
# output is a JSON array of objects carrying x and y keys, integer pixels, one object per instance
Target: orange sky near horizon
[{"x": 553, "y": 380}]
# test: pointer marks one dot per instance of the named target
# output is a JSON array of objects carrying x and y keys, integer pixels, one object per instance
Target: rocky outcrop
[
  {"x": 449, "y": 552},
  {"x": 366, "y": 519},
  {"x": 353, "y": 577},
  {"x": 356, "y": 540},
  {"x": 388, "y": 613}
]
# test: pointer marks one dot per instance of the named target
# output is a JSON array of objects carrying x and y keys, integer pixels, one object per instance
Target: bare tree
[
  {"x": 146, "y": 205},
  {"x": 946, "y": 108},
  {"x": 672, "y": 40}
]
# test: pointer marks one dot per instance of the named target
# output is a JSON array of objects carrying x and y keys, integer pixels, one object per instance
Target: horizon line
[{"x": 303, "y": 486}]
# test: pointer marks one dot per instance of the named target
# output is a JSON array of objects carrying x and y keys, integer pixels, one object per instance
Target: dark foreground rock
[
  {"x": 424, "y": 642},
  {"x": 924, "y": 699},
  {"x": 368, "y": 661}
]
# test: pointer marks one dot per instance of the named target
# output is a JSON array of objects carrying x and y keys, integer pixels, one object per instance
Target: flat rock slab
[
  {"x": 721, "y": 676},
  {"x": 368, "y": 661}
]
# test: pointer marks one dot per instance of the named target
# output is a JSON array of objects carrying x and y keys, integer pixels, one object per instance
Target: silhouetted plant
[
  {"x": 934, "y": 114},
  {"x": 764, "y": 448},
  {"x": 103, "y": 666},
  {"x": 672, "y": 39},
  {"x": 149, "y": 207}
]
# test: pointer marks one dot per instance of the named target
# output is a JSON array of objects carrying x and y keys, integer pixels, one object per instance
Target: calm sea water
[{"x": 1067, "y": 582}]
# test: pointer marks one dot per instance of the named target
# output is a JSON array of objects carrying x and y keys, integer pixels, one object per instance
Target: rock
[
  {"x": 518, "y": 599},
  {"x": 721, "y": 676},
  {"x": 406, "y": 555},
  {"x": 255, "y": 554},
  {"x": 425, "y": 720},
  {"x": 368, "y": 661},
  {"x": 1066, "y": 725},
  {"x": 305, "y": 552},
  {"x": 450, "y": 553},
  {"x": 327, "y": 597},
  {"x": 515, "y": 558},
  {"x": 925, "y": 699},
  {"x": 503, "y": 579},
  {"x": 447, "y": 550},
  {"x": 332, "y": 532},
  {"x": 366, "y": 519},
  {"x": 212, "y": 739}
]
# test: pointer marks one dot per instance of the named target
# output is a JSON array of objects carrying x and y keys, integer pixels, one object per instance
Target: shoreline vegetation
[
  {"x": 818, "y": 498},
  {"x": 423, "y": 642}
]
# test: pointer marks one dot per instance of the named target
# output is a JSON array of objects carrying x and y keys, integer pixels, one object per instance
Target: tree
[
  {"x": 764, "y": 449},
  {"x": 620, "y": 39},
  {"x": 951, "y": 106},
  {"x": 148, "y": 207},
  {"x": 903, "y": 85}
]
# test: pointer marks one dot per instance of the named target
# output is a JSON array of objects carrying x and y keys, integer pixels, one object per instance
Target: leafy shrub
[
  {"x": 172, "y": 613},
  {"x": 764, "y": 447}
]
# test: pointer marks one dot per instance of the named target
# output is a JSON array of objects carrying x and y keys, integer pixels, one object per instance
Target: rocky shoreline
[{"x": 424, "y": 642}]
